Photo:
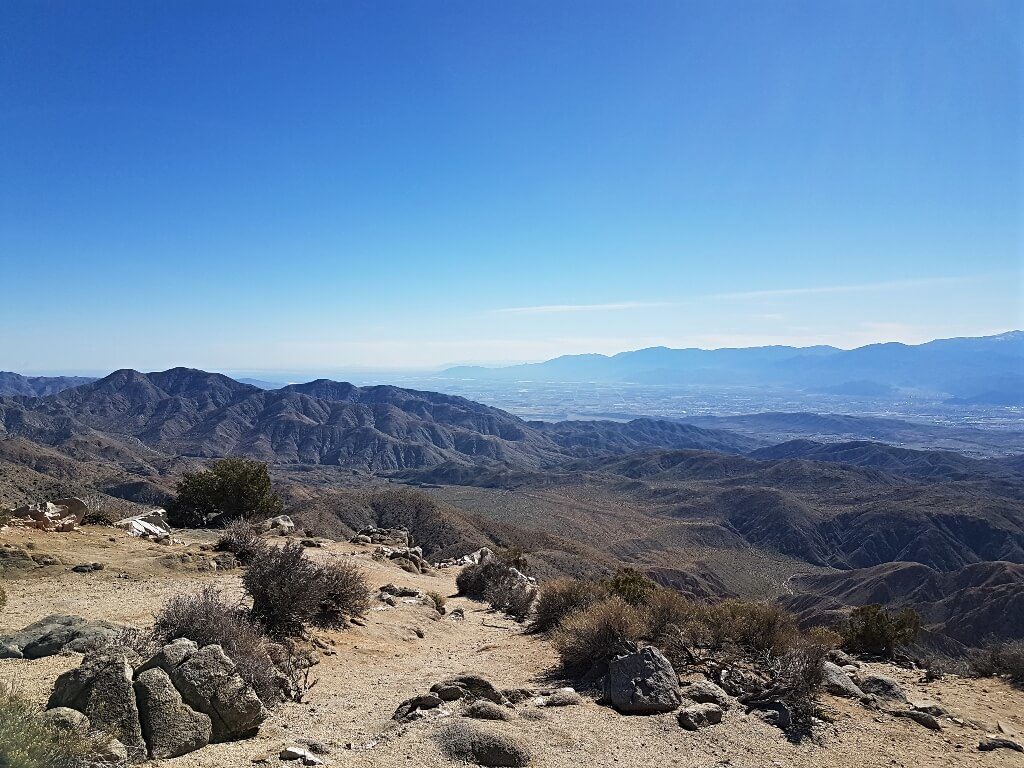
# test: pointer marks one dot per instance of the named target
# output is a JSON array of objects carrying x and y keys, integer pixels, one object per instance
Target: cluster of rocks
[
  {"x": 58, "y": 516},
  {"x": 473, "y": 558},
  {"x": 150, "y": 525},
  {"x": 14, "y": 558},
  {"x": 392, "y": 537},
  {"x": 409, "y": 559},
  {"x": 475, "y": 737},
  {"x": 282, "y": 525},
  {"x": 57, "y": 634},
  {"x": 176, "y": 702}
]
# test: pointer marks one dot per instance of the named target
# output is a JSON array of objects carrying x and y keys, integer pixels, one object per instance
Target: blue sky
[{"x": 405, "y": 184}]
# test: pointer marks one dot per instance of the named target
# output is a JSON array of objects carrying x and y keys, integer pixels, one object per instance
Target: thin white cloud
[
  {"x": 890, "y": 285},
  {"x": 554, "y": 308}
]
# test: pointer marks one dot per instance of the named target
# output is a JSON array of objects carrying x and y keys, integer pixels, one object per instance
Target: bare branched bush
[
  {"x": 207, "y": 619},
  {"x": 799, "y": 674},
  {"x": 289, "y": 590},
  {"x": 295, "y": 664},
  {"x": 592, "y": 636},
  {"x": 561, "y": 598},
  {"x": 500, "y": 584},
  {"x": 242, "y": 539},
  {"x": 998, "y": 658}
]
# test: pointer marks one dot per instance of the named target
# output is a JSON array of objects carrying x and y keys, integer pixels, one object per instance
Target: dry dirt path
[{"x": 376, "y": 666}]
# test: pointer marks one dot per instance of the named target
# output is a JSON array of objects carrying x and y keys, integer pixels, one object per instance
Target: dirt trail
[{"x": 377, "y": 666}]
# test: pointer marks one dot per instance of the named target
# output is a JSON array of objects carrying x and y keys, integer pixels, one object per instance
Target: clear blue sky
[{"x": 401, "y": 184}]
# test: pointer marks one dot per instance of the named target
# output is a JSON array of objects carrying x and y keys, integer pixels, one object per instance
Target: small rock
[
  {"x": 302, "y": 755},
  {"x": 564, "y": 697},
  {"x": 990, "y": 743},
  {"x": 921, "y": 718},
  {"x": 705, "y": 692},
  {"x": 700, "y": 716},
  {"x": 487, "y": 710},
  {"x": 458, "y": 614},
  {"x": 838, "y": 683}
]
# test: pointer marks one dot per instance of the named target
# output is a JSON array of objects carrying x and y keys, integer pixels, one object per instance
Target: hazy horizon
[{"x": 297, "y": 375}]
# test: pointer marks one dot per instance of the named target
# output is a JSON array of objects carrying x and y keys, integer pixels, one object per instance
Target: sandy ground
[{"x": 377, "y": 666}]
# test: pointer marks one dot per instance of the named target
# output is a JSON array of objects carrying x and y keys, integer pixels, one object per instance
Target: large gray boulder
[
  {"x": 642, "y": 683},
  {"x": 101, "y": 688},
  {"x": 838, "y": 683},
  {"x": 208, "y": 683},
  {"x": 56, "y": 633},
  {"x": 170, "y": 727},
  {"x": 883, "y": 687}
]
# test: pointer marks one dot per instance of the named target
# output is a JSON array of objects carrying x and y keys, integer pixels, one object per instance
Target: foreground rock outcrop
[{"x": 178, "y": 701}]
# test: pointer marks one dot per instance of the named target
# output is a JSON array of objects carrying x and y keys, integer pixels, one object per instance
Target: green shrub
[
  {"x": 871, "y": 629},
  {"x": 562, "y": 597},
  {"x": 28, "y": 740},
  {"x": 473, "y": 580},
  {"x": 592, "y": 636},
  {"x": 289, "y": 590},
  {"x": 631, "y": 585},
  {"x": 230, "y": 489}
]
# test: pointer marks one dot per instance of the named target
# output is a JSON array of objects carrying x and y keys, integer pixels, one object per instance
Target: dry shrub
[
  {"x": 3, "y": 598},
  {"x": 499, "y": 584},
  {"x": 999, "y": 658},
  {"x": 562, "y": 597},
  {"x": 27, "y": 740},
  {"x": 289, "y": 590},
  {"x": 242, "y": 539},
  {"x": 474, "y": 580},
  {"x": 207, "y": 619},
  {"x": 755, "y": 627},
  {"x": 592, "y": 636}
]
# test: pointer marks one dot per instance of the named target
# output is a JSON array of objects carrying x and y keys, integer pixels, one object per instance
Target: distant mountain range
[
  {"x": 186, "y": 412},
  {"x": 986, "y": 370},
  {"x": 37, "y": 386}
]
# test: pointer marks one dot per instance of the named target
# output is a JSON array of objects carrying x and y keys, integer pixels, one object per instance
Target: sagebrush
[
  {"x": 591, "y": 637},
  {"x": 290, "y": 591},
  {"x": 560, "y": 598},
  {"x": 29, "y": 740}
]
